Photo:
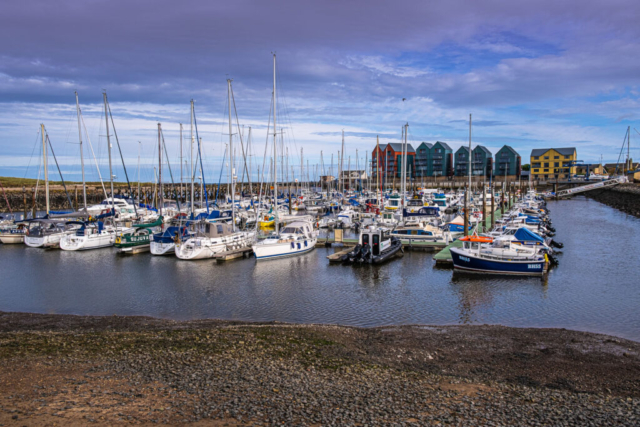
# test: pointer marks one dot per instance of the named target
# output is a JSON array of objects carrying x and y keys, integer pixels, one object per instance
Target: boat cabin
[
  {"x": 377, "y": 238},
  {"x": 473, "y": 243}
]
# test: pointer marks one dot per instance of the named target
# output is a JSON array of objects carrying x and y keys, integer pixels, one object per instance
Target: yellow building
[{"x": 552, "y": 163}]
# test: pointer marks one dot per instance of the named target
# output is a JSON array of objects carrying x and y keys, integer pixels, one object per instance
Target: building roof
[
  {"x": 483, "y": 148},
  {"x": 444, "y": 145},
  {"x": 427, "y": 144},
  {"x": 396, "y": 146},
  {"x": 564, "y": 151},
  {"x": 509, "y": 148},
  {"x": 382, "y": 147},
  {"x": 463, "y": 147}
]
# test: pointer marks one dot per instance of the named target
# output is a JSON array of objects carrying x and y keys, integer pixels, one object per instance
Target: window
[
  {"x": 556, "y": 157},
  {"x": 556, "y": 164},
  {"x": 536, "y": 158},
  {"x": 535, "y": 171},
  {"x": 546, "y": 170},
  {"x": 546, "y": 165},
  {"x": 546, "y": 157}
]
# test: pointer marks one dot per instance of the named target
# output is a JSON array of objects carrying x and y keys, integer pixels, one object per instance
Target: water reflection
[{"x": 594, "y": 288}]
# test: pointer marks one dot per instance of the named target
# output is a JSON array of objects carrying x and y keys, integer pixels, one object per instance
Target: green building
[{"x": 507, "y": 162}]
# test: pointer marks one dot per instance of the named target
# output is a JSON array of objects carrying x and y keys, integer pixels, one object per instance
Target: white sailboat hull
[
  {"x": 203, "y": 248},
  {"x": 163, "y": 248},
  {"x": 268, "y": 250},
  {"x": 93, "y": 241},
  {"x": 47, "y": 241},
  {"x": 9, "y": 239},
  {"x": 192, "y": 250}
]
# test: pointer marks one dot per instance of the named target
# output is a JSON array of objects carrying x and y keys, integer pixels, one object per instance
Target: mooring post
[
  {"x": 484, "y": 205},
  {"x": 467, "y": 195},
  {"x": 493, "y": 208},
  {"x": 24, "y": 199}
]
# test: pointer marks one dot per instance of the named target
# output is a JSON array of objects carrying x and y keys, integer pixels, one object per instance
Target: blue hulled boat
[{"x": 478, "y": 255}]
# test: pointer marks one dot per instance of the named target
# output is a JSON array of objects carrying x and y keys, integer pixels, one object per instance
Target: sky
[{"x": 532, "y": 74}]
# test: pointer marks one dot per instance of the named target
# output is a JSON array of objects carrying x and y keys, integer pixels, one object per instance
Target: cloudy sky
[{"x": 533, "y": 74}]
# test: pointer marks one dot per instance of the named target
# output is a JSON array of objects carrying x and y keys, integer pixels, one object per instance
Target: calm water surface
[{"x": 595, "y": 288}]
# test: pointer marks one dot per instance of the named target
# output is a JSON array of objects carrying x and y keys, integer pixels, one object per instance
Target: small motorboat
[
  {"x": 138, "y": 239},
  {"x": 375, "y": 246}
]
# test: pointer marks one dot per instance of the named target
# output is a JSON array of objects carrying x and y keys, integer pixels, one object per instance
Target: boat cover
[{"x": 525, "y": 235}]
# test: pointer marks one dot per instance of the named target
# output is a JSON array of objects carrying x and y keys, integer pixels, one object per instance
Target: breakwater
[{"x": 625, "y": 198}]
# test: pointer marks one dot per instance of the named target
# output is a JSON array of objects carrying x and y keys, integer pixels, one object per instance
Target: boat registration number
[
  {"x": 534, "y": 266},
  {"x": 464, "y": 258}
]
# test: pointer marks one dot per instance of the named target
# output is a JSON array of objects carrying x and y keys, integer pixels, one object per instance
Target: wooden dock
[
  {"x": 245, "y": 252},
  {"x": 336, "y": 257}
]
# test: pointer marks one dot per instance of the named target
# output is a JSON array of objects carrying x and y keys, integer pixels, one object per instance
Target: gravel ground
[{"x": 73, "y": 370}]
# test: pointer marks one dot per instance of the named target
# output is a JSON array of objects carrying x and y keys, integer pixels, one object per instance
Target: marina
[
  {"x": 358, "y": 214},
  {"x": 413, "y": 289}
]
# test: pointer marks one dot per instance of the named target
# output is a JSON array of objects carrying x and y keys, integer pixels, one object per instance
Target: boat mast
[
  {"x": 378, "y": 171},
  {"x": 160, "y": 192},
  {"x": 139, "y": 150},
  {"x": 275, "y": 146},
  {"x": 469, "y": 171},
  {"x": 181, "y": 158},
  {"x": 84, "y": 187},
  {"x": 192, "y": 172},
  {"x": 340, "y": 173},
  {"x": 231, "y": 158},
  {"x": 404, "y": 165},
  {"x": 46, "y": 170},
  {"x": 106, "y": 122}
]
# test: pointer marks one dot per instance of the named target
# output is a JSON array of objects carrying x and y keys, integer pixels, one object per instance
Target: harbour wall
[
  {"x": 27, "y": 199},
  {"x": 625, "y": 198}
]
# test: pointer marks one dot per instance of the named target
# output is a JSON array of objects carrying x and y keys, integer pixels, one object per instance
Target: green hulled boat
[{"x": 139, "y": 239}]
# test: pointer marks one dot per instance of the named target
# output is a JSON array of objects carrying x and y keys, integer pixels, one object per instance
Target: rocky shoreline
[
  {"x": 625, "y": 198},
  {"x": 78, "y": 370}
]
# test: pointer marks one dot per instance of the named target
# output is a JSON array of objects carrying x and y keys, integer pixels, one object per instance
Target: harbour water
[{"x": 595, "y": 288}]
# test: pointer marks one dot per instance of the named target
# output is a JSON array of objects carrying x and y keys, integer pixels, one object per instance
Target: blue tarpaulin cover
[{"x": 525, "y": 235}]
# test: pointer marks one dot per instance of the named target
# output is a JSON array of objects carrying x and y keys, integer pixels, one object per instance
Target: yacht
[
  {"x": 47, "y": 233},
  {"x": 296, "y": 238},
  {"x": 91, "y": 235},
  {"x": 11, "y": 233},
  {"x": 211, "y": 239},
  {"x": 164, "y": 243},
  {"x": 420, "y": 231}
]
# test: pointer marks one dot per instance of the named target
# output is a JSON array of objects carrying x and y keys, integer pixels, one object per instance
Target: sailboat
[
  {"x": 95, "y": 234},
  {"x": 297, "y": 237},
  {"x": 213, "y": 236},
  {"x": 47, "y": 232}
]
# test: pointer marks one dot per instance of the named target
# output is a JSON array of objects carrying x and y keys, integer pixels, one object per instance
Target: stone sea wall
[{"x": 625, "y": 198}]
